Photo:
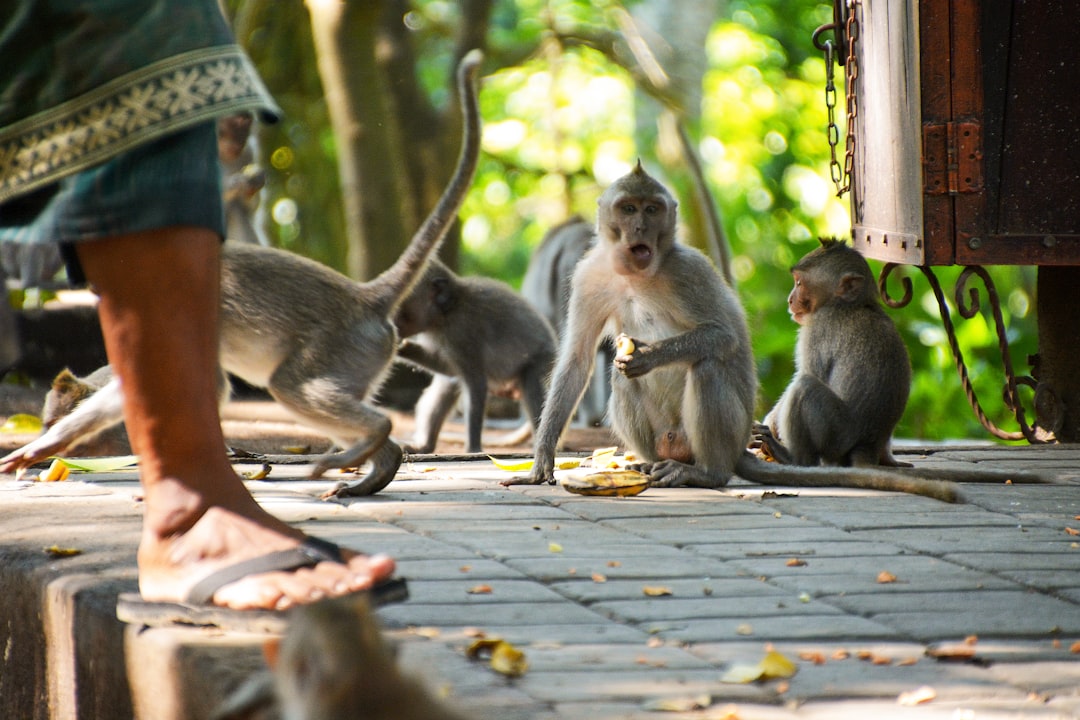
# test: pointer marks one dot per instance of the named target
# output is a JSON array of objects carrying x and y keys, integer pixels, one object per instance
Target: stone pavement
[{"x": 854, "y": 587}]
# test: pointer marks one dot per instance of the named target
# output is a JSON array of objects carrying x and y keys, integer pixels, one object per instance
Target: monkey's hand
[
  {"x": 768, "y": 446},
  {"x": 635, "y": 363}
]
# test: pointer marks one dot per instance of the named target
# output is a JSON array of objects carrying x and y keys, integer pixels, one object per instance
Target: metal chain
[{"x": 841, "y": 173}]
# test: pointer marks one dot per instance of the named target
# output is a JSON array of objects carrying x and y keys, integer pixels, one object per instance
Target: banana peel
[{"x": 608, "y": 483}]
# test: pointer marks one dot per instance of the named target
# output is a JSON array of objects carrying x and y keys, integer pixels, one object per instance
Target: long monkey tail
[
  {"x": 395, "y": 283},
  {"x": 755, "y": 470}
]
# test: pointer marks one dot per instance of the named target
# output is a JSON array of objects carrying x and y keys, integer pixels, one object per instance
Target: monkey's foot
[
  {"x": 197, "y": 608},
  {"x": 385, "y": 463},
  {"x": 527, "y": 480}
]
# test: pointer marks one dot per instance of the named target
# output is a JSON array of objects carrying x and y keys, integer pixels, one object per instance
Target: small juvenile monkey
[
  {"x": 683, "y": 399},
  {"x": 318, "y": 341},
  {"x": 471, "y": 331},
  {"x": 852, "y": 372},
  {"x": 333, "y": 664}
]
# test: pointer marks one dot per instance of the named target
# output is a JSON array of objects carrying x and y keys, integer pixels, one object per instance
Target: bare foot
[{"x": 169, "y": 567}]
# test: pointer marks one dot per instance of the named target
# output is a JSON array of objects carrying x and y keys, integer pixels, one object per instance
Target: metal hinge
[{"x": 952, "y": 158}]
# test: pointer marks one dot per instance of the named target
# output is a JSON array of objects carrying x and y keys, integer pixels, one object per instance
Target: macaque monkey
[
  {"x": 547, "y": 286},
  {"x": 67, "y": 392},
  {"x": 683, "y": 399},
  {"x": 852, "y": 373},
  {"x": 471, "y": 331},
  {"x": 242, "y": 178},
  {"x": 318, "y": 341},
  {"x": 333, "y": 664}
]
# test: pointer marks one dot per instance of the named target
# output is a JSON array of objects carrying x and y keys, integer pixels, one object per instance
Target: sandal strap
[{"x": 309, "y": 553}]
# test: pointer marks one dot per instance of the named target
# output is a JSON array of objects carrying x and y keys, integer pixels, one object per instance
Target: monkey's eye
[
  {"x": 628, "y": 208},
  {"x": 652, "y": 209}
]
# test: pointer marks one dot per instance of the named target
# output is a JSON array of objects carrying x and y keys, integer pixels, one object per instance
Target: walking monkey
[
  {"x": 472, "y": 331},
  {"x": 318, "y": 341},
  {"x": 683, "y": 400}
]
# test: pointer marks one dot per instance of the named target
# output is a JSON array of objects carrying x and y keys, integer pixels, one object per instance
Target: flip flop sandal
[{"x": 196, "y": 609}]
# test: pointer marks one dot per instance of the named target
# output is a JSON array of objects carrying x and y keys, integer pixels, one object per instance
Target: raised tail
[
  {"x": 755, "y": 470},
  {"x": 391, "y": 286}
]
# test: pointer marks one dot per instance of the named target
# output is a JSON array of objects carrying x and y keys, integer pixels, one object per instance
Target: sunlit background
[{"x": 565, "y": 120}]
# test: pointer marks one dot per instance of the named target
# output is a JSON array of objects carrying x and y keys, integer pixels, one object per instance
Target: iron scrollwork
[{"x": 968, "y": 307}]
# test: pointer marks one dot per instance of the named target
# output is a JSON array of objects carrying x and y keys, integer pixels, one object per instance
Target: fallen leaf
[
  {"x": 1075, "y": 648},
  {"x": 614, "y": 563},
  {"x": 22, "y": 424},
  {"x": 259, "y": 474},
  {"x": 512, "y": 466},
  {"x": 971, "y": 639},
  {"x": 840, "y": 654},
  {"x": 885, "y": 577},
  {"x": 951, "y": 651},
  {"x": 426, "y": 632},
  {"x": 680, "y": 705},
  {"x": 881, "y": 660},
  {"x": 598, "y": 578},
  {"x": 744, "y": 629},
  {"x": 1072, "y": 531},
  {"x": 777, "y": 665},
  {"x": 774, "y": 666},
  {"x": 813, "y": 656},
  {"x": 796, "y": 562},
  {"x": 58, "y": 552},
  {"x": 465, "y": 568},
  {"x": 917, "y": 696},
  {"x": 905, "y": 662},
  {"x": 102, "y": 464},
  {"x": 656, "y": 591},
  {"x": 57, "y": 472},
  {"x": 480, "y": 590},
  {"x": 554, "y": 547},
  {"x": 654, "y": 642},
  {"x": 505, "y": 659}
]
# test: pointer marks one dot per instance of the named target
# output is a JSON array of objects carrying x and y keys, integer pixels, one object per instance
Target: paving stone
[
  {"x": 477, "y": 569},
  {"x": 788, "y": 548},
  {"x": 963, "y": 516},
  {"x": 576, "y": 686},
  {"x": 507, "y": 613},
  {"x": 469, "y": 591},
  {"x": 715, "y": 529},
  {"x": 997, "y": 539},
  {"x": 616, "y": 562},
  {"x": 774, "y": 629},
  {"x": 797, "y": 547},
  {"x": 588, "y": 591},
  {"x": 665, "y": 609},
  {"x": 581, "y": 539},
  {"x": 1066, "y": 561},
  {"x": 1000, "y": 622},
  {"x": 976, "y": 603},
  {"x": 639, "y": 658},
  {"x": 651, "y": 504}
]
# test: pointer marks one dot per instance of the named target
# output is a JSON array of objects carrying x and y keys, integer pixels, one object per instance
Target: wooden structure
[{"x": 967, "y": 151}]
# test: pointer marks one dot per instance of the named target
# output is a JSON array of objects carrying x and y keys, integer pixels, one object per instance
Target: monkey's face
[
  {"x": 801, "y": 300},
  {"x": 641, "y": 229}
]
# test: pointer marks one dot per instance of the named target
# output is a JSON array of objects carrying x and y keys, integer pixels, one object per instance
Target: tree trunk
[{"x": 368, "y": 141}]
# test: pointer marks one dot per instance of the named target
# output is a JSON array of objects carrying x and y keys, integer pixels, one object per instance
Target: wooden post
[{"x": 1057, "y": 399}]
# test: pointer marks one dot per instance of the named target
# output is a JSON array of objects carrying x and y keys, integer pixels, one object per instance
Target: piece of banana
[
  {"x": 624, "y": 345},
  {"x": 609, "y": 483}
]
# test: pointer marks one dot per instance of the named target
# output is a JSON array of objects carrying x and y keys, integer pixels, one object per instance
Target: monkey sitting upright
[
  {"x": 319, "y": 342},
  {"x": 683, "y": 398},
  {"x": 852, "y": 372},
  {"x": 471, "y": 330}
]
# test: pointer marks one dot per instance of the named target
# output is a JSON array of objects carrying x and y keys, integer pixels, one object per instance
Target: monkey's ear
[{"x": 851, "y": 286}]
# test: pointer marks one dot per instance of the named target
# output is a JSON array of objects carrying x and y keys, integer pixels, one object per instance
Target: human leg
[{"x": 159, "y": 305}]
